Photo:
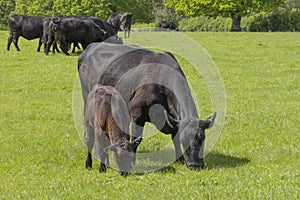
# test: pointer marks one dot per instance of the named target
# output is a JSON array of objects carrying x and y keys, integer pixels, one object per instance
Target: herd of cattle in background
[
  {"x": 101, "y": 68},
  {"x": 67, "y": 30}
]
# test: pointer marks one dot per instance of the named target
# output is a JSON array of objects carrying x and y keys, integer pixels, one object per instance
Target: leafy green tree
[
  {"x": 293, "y": 4},
  {"x": 142, "y": 10},
  {"x": 96, "y": 8},
  {"x": 235, "y": 9},
  {"x": 6, "y": 7}
]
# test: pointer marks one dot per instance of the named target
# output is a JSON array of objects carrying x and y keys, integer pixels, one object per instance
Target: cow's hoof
[
  {"x": 180, "y": 160},
  {"x": 102, "y": 168},
  {"x": 88, "y": 165},
  {"x": 124, "y": 173}
]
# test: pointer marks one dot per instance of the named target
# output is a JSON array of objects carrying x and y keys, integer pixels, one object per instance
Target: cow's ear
[
  {"x": 209, "y": 122},
  {"x": 111, "y": 147},
  {"x": 136, "y": 142}
]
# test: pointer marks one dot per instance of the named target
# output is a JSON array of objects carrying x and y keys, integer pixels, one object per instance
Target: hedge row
[{"x": 277, "y": 21}]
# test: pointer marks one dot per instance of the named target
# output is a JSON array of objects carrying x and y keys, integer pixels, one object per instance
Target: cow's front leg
[
  {"x": 15, "y": 41},
  {"x": 136, "y": 131},
  {"x": 178, "y": 152},
  {"x": 39, "y": 45},
  {"x": 9, "y": 41}
]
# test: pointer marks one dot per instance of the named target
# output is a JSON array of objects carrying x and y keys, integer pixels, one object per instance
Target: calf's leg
[
  {"x": 101, "y": 143},
  {"x": 89, "y": 140}
]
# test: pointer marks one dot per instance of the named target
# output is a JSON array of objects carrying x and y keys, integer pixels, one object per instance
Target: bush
[
  {"x": 276, "y": 21},
  {"x": 206, "y": 24}
]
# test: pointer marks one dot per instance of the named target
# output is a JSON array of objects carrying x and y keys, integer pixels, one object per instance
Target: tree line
[{"x": 150, "y": 11}]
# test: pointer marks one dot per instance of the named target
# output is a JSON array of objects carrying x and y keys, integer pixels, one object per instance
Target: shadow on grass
[
  {"x": 217, "y": 160},
  {"x": 164, "y": 170},
  {"x": 212, "y": 161}
]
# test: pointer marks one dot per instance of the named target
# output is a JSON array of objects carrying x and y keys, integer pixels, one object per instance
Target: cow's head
[
  {"x": 123, "y": 155},
  {"x": 125, "y": 21},
  {"x": 192, "y": 136},
  {"x": 173, "y": 26}
]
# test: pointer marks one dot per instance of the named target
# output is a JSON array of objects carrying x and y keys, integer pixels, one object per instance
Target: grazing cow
[
  {"x": 147, "y": 81},
  {"x": 121, "y": 21},
  {"x": 49, "y": 35},
  {"x": 29, "y": 27},
  {"x": 68, "y": 30},
  {"x": 107, "y": 122},
  {"x": 167, "y": 25},
  {"x": 80, "y": 29}
]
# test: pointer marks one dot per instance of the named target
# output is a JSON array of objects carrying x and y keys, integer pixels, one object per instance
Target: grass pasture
[{"x": 256, "y": 156}]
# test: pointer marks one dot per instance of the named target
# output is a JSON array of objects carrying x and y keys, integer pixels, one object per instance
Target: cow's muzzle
[{"x": 195, "y": 166}]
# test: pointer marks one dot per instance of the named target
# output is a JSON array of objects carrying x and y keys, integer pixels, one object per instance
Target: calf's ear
[{"x": 209, "y": 122}]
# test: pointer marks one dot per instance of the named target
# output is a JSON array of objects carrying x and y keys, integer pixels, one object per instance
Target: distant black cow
[
  {"x": 29, "y": 27},
  {"x": 156, "y": 90},
  {"x": 49, "y": 36},
  {"x": 121, "y": 21},
  {"x": 79, "y": 29},
  {"x": 167, "y": 25},
  {"x": 68, "y": 30}
]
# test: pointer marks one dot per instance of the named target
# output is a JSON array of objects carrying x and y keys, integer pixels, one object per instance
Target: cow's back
[
  {"x": 29, "y": 27},
  {"x": 120, "y": 66}
]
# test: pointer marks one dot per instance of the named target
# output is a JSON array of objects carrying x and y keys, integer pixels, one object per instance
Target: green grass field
[{"x": 256, "y": 155}]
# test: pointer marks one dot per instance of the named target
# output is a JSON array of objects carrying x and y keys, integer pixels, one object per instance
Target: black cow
[
  {"x": 68, "y": 30},
  {"x": 167, "y": 25},
  {"x": 48, "y": 35},
  {"x": 155, "y": 89},
  {"x": 29, "y": 27},
  {"x": 121, "y": 21}
]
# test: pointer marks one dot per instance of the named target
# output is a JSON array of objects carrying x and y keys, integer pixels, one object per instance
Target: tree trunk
[{"x": 236, "y": 24}]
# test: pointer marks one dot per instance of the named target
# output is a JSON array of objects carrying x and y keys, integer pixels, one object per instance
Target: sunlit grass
[{"x": 256, "y": 157}]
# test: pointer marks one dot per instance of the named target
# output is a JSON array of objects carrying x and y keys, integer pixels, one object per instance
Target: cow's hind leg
[
  {"x": 55, "y": 48},
  {"x": 75, "y": 45},
  {"x": 39, "y": 45}
]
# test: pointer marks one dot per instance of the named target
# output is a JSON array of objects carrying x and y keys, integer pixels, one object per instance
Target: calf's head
[
  {"x": 123, "y": 155},
  {"x": 192, "y": 138}
]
